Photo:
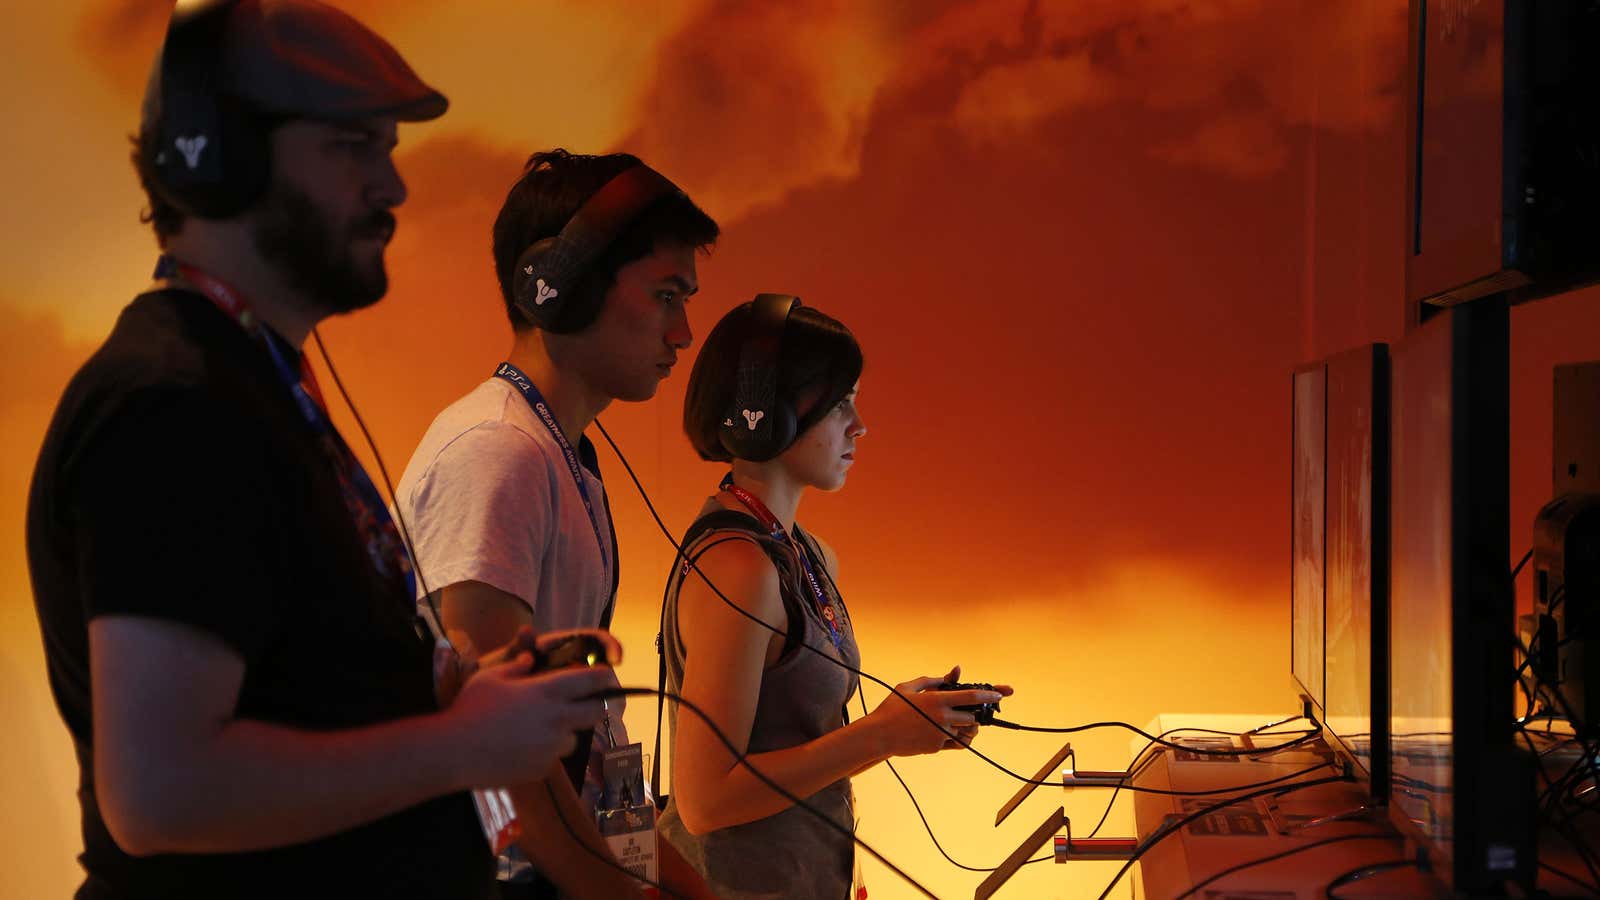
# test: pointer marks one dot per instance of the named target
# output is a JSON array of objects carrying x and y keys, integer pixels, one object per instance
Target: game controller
[
  {"x": 982, "y": 712},
  {"x": 573, "y": 650}
]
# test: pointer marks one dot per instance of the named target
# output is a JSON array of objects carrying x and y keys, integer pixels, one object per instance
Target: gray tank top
[{"x": 790, "y": 854}]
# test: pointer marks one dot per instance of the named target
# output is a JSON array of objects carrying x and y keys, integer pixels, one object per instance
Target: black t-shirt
[{"x": 179, "y": 481}]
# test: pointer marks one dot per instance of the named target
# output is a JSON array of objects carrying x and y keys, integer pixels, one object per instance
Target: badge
[{"x": 627, "y": 818}]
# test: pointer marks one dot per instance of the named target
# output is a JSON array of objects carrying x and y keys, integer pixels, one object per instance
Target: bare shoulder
[{"x": 740, "y": 571}]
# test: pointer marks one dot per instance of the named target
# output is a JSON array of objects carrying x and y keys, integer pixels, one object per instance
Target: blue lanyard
[
  {"x": 361, "y": 497},
  {"x": 770, "y": 522},
  {"x": 514, "y": 376}
]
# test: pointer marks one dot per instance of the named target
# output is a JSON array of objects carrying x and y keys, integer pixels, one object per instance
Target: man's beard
[{"x": 295, "y": 234}]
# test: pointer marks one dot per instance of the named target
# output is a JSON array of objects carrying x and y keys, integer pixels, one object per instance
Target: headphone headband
[{"x": 548, "y": 271}]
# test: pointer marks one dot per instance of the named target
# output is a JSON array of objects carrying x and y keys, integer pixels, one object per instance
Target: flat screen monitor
[
  {"x": 1308, "y": 483},
  {"x": 1458, "y": 786},
  {"x": 1356, "y": 606}
]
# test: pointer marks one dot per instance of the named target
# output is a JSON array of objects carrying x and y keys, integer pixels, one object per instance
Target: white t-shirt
[{"x": 488, "y": 496}]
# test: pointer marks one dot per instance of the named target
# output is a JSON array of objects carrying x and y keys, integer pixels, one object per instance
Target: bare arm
[
  {"x": 553, "y": 848},
  {"x": 176, "y": 772},
  {"x": 491, "y": 618},
  {"x": 488, "y": 616},
  {"x": 725, "y": 654}
]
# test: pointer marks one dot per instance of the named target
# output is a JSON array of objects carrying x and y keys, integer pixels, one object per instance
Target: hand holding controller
[
  {"x": 575, "y": 667},
  {"x": 934, "y": 713},
  {"x": 577, "y": 649},
  {"x": 982, "y": 712}
]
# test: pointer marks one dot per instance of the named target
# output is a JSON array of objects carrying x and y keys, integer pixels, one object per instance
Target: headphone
[
  {"x": 212, "y": 155},
  {"x": 759, "y": 424},
  {"x": 548, "y": 272}
]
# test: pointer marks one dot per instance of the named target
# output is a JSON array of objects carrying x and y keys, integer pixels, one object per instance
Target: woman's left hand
[{"x": 965, "y": 733}]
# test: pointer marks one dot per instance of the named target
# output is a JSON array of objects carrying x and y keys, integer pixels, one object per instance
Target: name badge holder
[{"x": 627, "y": 815}]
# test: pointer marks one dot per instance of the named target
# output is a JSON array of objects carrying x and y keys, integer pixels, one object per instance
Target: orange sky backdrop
[{"x": 1083, "y": 244}]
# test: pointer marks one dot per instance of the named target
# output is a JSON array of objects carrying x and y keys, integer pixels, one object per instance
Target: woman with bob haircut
[{"x": 773, "y": 394}]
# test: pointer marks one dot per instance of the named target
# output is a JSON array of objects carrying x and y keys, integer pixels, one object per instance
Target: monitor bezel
[
  {"x": 1314, "y": 696},
  {"x": 1490, "y": 816},
  {"x": 1373, "y": 359}
]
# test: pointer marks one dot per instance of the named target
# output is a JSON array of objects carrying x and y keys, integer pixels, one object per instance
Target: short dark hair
[
  {"x": 554, "y": 185},
  {"x": 164, "y": 218},
  {"x": 819, "y": 362}
]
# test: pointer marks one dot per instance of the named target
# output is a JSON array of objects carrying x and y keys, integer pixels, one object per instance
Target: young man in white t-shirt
[{"x": 596, "y": 258}]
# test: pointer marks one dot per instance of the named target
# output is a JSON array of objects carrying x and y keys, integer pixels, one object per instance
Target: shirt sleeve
[
  {"x": 172, "y": 505},
  {"x": 482, "y": 511}
]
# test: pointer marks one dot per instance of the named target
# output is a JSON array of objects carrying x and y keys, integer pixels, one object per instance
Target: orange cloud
[
  {"x": 1243, "y": 145},
  {"x": 1016, "y": 97},
  {"x": 780, "y": 99},
  {"x": 1235, "y": 81}
]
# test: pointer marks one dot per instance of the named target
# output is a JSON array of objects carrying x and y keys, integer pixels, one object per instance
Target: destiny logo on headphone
[
  {"x": 542, "y": 291},
  {"x": 191, "y": 148},
  {"x": 753, "y": 417}
]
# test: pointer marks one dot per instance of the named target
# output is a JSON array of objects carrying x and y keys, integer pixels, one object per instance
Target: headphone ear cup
[
  {"x": 538, "y": 301},
  {"x": 546, "y": 306},
  {"x": 759, "y": 424},
  {"x": 240, "y": 165},
  {"x": 758, "y": 435}
]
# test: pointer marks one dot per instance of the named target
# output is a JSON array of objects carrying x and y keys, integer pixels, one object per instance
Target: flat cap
[{"x": 306, "y": 59}]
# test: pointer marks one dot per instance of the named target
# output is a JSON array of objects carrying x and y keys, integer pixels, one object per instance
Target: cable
[
  {"x": 1548, "y": 808},
  {"x": 926, "y": 826},
  {"x": 1138, "y": 765},
  {"x": 739, "y": 759},
  {"x": 929, "y": 828},
  {"x": 861, "y": 695},
  {"x": 1168, "y": 831},
  {"x": 1277, "y": 856},
  {"x": 383, "y": 471},
  {"x": 1134, "y": 768},
  {"x": 1366, "y": 871},
  {"x": 1552, "y": 804},
  {"x": 1562, "y": 826},
  {"x": 406, "y": 536},
  {"x": 416, "y": 566},
  {"x": 605, "y": 858},
  {"x": 1525, "y": 557},
  {"x": 667, "y": 533},
  {"x": 859, "y": 673},
  {"x": 1153, "y": 739},
  {"x": 1593, "y": 889}
]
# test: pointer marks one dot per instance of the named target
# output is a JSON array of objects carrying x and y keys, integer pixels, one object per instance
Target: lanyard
[
  {"x": 770, "y": 522},
  {"x": 514, "y": 376},
  {"x": 361, "y": 498}
]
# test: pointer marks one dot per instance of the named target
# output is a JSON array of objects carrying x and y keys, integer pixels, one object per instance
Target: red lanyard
[
  {"x": 770, "y": 522},
  {"x": 225, "y": 298}
]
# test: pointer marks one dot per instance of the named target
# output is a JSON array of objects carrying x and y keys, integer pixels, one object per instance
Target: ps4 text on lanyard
[
  {"x": 513, "y": 375},
  {"x": 770, "y": 522},
  {"x": 360, "y": 496}
]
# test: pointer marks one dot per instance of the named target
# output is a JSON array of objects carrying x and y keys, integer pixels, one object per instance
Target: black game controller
[
  {"x": 982, "y": 712},
  {"x": 574, "y": 650}
]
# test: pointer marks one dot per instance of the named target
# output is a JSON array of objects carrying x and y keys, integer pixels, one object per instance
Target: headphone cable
[
  {"x": 383, "y": 472},
  {"x": 740, "y": 757},
  {"x": 890, "y": 688}
]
